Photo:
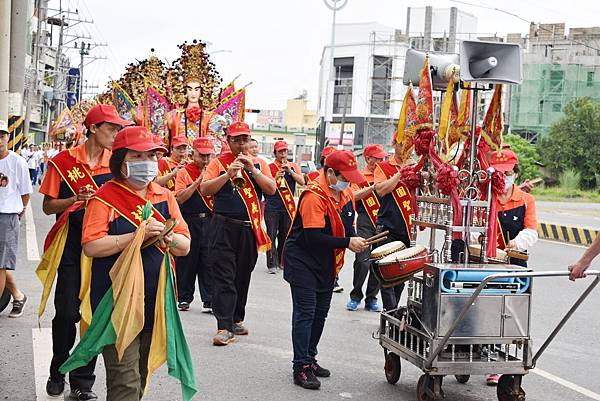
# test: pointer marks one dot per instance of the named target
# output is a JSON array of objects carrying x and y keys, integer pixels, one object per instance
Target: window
[
  {"x": 557, "y": 80},
  {"x": 556, "y": 107},
  {"x": 342, "y": 90},
  {"x": 590, "y": 78},
  {"x": 381, "y": 85}
]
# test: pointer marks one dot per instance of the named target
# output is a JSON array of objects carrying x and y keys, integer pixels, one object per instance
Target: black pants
[
  {"x": 64, "y": 328},
  {"x": 391, "y": 296},
  {"x": 309, "y": 312},
  {"x": 233, "y": 256},
  {"x": 362, "y": 265},
  {"x": 278, "y": 225},
  {"x": 194, "y": 266}
]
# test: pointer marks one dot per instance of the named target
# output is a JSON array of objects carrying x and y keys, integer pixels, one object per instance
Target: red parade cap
[
  {"x": 179, "y": 140},
  {"x": 280, "y": 145},
  {"x": 375, "y": 151},
  {"x": 504, "y": 160},
  {"x": 344, "y": 161},
  {"x": 204, "y": 146},
  {"x": 238, "y": 128},
  {"x": 104, "y": 113},
  {"x": 136, "y": 138},
  {"x": 327, "y": 151}
]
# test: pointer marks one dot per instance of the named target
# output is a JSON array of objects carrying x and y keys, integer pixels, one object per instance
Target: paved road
[
  {"x": 258, "y": 367},
  {"x": 585, "y": 215}
]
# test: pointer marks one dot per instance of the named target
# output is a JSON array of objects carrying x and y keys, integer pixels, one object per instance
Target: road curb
[{"x": 571, "y": 235}]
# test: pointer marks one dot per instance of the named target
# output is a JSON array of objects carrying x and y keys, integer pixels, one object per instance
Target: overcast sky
[{"x": 276, "y": 44}]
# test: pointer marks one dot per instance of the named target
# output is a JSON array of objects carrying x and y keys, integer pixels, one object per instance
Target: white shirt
[
  {"x": 52, "y": 152},
  {"x": 29, "y": 157},
  {"x": 16, "y": 183}
]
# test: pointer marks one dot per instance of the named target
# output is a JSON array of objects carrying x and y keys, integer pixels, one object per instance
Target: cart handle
[{"x": 492, "y": 277}]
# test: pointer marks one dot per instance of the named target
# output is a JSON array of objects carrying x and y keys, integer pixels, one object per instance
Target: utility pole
[
  {"x": 83, "y": 51},
  {"x": 343, "y": 122},
  {"x": 58, "y": 75},
  {"x": 32, "y": 87},
  {"x": 5, "y": 12}
]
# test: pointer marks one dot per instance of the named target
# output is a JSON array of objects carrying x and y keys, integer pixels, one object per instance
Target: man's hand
[
  {"x": 85, "y": 194},
  {"x": 280, "y": 173},
  {"x": 246, "y": 161},
  {"x": 578, "y": 269},
  {"x": 526, "y": 186},
  {"x": 233, "y": 168},
  {"x": 358, "y": 244}
]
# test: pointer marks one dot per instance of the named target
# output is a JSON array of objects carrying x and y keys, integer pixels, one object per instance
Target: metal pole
[
  {"x": 33, "y": 83},
  {"x": 82, "y": 54},
  {"x": 5, "y": 7},
  {"x": 343, "y": 122},
  {"x": 57, "y": 69}
]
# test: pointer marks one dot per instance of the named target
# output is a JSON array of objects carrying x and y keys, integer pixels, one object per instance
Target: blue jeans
[{"x": 309, "y": 312}]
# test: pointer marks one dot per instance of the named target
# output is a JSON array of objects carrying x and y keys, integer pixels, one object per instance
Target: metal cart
[{"x": 445, "y": 332}]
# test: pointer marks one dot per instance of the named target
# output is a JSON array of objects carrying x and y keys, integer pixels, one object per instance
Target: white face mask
[
  {"x": 142, "y": 172},
  {"x": 509, "y": 181},
  {"x": 340, "y": 185}
]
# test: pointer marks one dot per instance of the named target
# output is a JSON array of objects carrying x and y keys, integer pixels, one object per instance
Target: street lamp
[{"x": 334, "y": 6}]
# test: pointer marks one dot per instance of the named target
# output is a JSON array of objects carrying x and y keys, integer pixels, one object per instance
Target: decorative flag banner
[
  {"x": 446, "y": 112},
  {"x": 155, "y": 110},
  {"x": 493, "y": 122},
  {"x": 64, "y": 121},
  {"x": 227, "y": 91},
  {"x": 233, "y": 107},
  {"x": 459, "y": 126},
  {"x": 406, "y": 122},
  {"x": 425, "y": 99},
  {"x": 123, "y": 102}
]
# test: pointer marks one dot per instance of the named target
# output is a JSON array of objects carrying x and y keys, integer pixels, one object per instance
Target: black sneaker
[
  {"x": 17, "y": 309},
  {"x": 306, "y": 378},
  {"x": 239, "y": 329},
  {"x": 55, "y": 388},
  {"x": 206, "y": 307},
  {"x": 83, "y": 395},
  {"x": 183, "y": 306},
  {"x": 320, "y": 371}
]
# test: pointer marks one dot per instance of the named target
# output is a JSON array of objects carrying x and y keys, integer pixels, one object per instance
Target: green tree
[
  {"x": 528, "y": 155},
  {"x": 573, "y": 142}
]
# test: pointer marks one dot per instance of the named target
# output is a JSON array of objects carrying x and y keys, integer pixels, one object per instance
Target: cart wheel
[
  {"x": 462, "y": 378},
  {"x": 509, "y": 388},
  {"x": 392, "y": 367},
  {"x": 4, "y": 299}
]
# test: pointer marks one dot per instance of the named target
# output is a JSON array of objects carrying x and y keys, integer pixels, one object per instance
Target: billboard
[{"x": 72, "y": 87}]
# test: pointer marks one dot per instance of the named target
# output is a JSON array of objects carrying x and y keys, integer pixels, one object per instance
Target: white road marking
[
  {"x": 33, "y": 252},
  {"x": 42, "y": 355},
  {"x": 567, "y": 384},
  {"x": 553, "y": 242}
]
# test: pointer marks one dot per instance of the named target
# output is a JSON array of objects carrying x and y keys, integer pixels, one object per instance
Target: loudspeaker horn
[
  {"x": 443, "y": 68},
  {"x": 490, "y": 62}
]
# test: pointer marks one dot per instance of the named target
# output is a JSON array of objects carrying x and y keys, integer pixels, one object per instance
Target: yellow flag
[
  {"x": 46, "y": 270},
  {"x": 158, "y": 345},
  {"x": 409, "y": 100},
  {"x": 127, "y": 276},
  {"x": 85, "y": 292},
  {"x": 445, "y": 112}
]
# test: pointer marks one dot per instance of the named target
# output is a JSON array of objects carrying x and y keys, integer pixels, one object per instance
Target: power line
[{"x": 523, "y": 19}]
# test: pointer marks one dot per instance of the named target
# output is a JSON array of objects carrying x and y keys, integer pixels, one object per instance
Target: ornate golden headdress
[{"x": 193, "y": 65}]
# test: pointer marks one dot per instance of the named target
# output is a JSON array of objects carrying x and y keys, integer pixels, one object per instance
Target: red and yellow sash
[
  {"x": 76, "y": 176},
  {"x": 400, "y": 194},
  {"x": 194, "y": 173},
  {"x": 501, "y": 241},
  {"x": 250, "y": 198},
  {"x": 285, "y": 192},
  {"x": 370, "y": 203},
  {"x": 164, "y": 168},
  {"x": 125, "y": 202},
  {"x": 73, "y": 173},
  {"x": 337, "y": 226}
]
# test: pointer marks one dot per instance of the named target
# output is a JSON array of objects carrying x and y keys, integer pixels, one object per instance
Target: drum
[
  {"x": 475, "y": 255},
  {"x": 387, "y": 249},
  {"x": 400, "y": 266}
]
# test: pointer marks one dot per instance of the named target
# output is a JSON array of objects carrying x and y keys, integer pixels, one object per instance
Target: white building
[{"x": 369, "y": 63}]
